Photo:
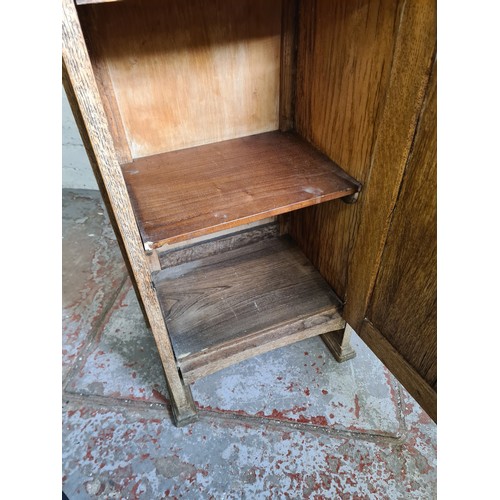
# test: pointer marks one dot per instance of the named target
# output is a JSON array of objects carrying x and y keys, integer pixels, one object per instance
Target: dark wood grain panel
[
  {"x": 288, "y": 63},
  {"x": 403, "y": 304},
  {"x": 188, "y": 193},
  {"x": 344, "y": 62},
  {"x": 412, "y": 67},
  {"x": 222, "y": 298},
  {"x": 196, "y": 251}
]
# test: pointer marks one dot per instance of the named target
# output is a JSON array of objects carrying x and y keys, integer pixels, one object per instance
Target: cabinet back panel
[{"x": 186, "y": 73}]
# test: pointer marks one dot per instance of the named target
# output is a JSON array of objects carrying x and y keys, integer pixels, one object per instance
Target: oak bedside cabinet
[{"x": 269, "y": 168}]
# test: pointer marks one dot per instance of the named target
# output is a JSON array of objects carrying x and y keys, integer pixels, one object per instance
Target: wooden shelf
[
  {"x": 188, "y": 193},
  {"x": 228, "y": 307}
]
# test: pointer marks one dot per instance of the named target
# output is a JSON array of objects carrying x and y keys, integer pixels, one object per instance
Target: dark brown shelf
[
  {"x": 225, "y": 308},
  {"x": 188, "y": 193}
]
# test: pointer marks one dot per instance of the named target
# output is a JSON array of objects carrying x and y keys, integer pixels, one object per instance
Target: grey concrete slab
[
  {"x": 92, "y": 270},
  {"x": 130, "y": 452}
]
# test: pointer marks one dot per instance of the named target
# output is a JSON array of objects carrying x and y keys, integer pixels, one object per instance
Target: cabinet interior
[{"x": 200, "y": 100}]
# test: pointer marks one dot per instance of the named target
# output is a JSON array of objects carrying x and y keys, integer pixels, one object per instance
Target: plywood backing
[
  {"x": 344, "y": 62},
  {"x": 190, "y": 73},
  {"x": 184, "y": 194}
]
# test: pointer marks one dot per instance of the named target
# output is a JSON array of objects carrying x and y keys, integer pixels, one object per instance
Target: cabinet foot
[
  {"x": 183, "y": 414},
  {"x": 339, "y": 344}
]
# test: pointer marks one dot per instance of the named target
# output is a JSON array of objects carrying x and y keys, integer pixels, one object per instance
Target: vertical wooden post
[{"x": 80, "y": 79}]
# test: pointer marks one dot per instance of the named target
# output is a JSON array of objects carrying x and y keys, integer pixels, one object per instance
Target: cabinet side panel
[
  {"x": 344, "y": 61},
  {"x": 403, "y": 304},
  {"x": 191, "y": 73}
]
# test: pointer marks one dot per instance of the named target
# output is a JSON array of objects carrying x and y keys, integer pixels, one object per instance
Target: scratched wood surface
[
  {"x": 343, "y": 67},
  {"x": 403, "y": 304},
  {"x": 191, "y": 73},
  {"x": 191, "y": 192},
  {"x": 194, "y": 251},
  {"x": 256, "y": 288}
]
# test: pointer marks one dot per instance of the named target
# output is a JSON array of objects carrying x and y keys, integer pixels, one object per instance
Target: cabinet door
[
  {"x": 366, "y": 96},
  {"x": 399, "y": 322}
]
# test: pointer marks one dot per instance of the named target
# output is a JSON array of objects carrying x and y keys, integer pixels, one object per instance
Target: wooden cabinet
[{"x": 226, "y": 137}]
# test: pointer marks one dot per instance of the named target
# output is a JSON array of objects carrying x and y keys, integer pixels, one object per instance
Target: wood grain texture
[
  {"x": 344, "y": 62},
  {"x": 82, "y": 81},
  {"x": 288, "y": 66},
  {"x": 204, "y": 363},
  {"x": 105, "y": 86},
  {"x": 221, "y": 300},
  {"x": 403, "y": 304},
  {"x": 411, "y": 70},
  {"x": 191, "y": 73},
  {"x": 425, "y": 396},
  {"x": 195, "y": 251},
  {"x": 188, "y": 193}
]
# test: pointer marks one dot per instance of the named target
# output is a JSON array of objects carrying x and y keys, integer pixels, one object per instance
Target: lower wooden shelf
[{"x": 225, "y": 308}]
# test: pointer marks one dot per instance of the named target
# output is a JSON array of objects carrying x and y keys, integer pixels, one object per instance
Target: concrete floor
[{"x": 291, "y": 423}]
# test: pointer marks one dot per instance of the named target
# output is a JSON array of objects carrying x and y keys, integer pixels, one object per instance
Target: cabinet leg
[
  {"x": 339, "y": 344},
  {"x": 183, "y": 407}
]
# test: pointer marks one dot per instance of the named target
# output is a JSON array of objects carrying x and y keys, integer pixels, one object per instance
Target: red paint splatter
[
  {"x": 134, "y": 490},
  {"x": 324, "y": 391},
  {"x": 160, "y": 396},
  {"x": 144, "y": 456},
  {"x": 307, "y": 392},
  {"x": 306, "y": 353},
  {"x": 134, "y": 374},
  {"x": 279, "y": 378}
]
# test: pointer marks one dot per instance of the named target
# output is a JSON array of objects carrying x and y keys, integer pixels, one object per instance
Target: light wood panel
[
  {"x": 184, "y": 194},
  {"x": 191, "y": 73},
  {"x": 344, "y": 62},
  {"x": 243, "y": 302},
  {"x": 403, "y": 304},
  {"x": 105, "y": 86}
]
